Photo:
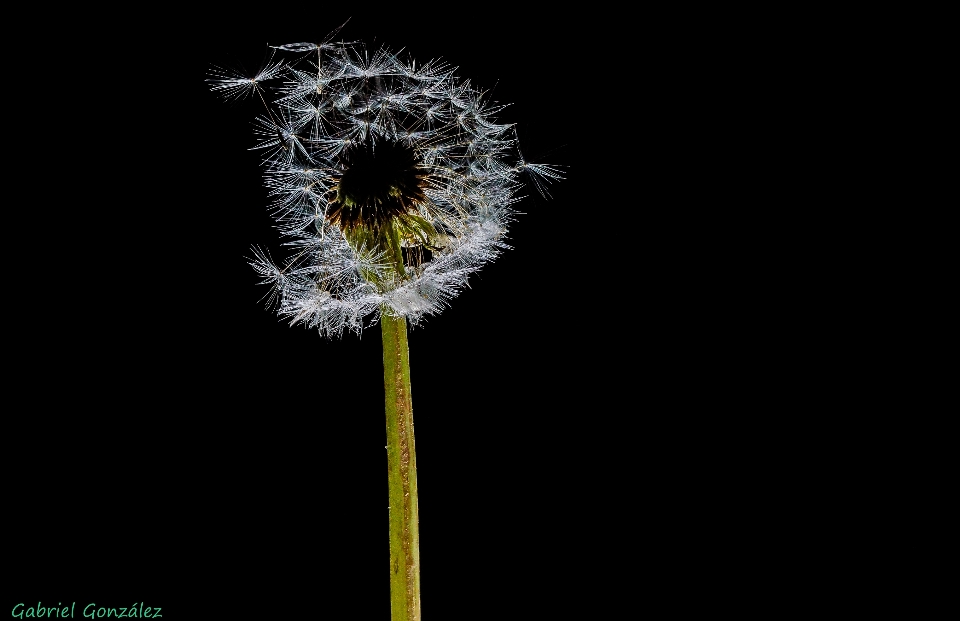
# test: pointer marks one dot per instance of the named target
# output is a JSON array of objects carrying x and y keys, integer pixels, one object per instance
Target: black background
[{"x": 640, "y": 400}]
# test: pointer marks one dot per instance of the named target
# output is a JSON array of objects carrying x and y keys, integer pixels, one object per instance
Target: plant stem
[{"x": 401, "y": 472}]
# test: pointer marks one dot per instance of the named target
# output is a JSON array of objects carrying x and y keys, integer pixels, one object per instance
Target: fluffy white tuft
[{"x": 331, "y": 95}]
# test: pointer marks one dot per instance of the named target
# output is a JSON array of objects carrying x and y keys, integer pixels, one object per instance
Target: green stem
[{"x": 401, "y": 472}]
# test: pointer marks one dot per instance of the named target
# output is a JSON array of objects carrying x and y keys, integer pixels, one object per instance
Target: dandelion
[{"x": 393, "y": 182}]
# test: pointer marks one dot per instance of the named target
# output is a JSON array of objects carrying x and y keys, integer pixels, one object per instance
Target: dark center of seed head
[{"x": 381, "y": 181}]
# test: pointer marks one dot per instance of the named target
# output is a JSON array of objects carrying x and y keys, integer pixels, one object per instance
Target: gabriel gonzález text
[{"x": 90, "y": 611}]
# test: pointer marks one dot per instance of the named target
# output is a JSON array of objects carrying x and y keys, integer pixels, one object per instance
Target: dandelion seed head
[{"x": 392, "y": 180}]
